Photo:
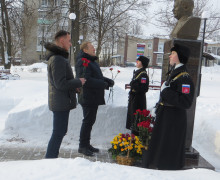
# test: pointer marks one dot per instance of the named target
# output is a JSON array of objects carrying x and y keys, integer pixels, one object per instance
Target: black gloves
[
  {"x": 106, "y": 85},
  {"x": 111, "y": 83}
]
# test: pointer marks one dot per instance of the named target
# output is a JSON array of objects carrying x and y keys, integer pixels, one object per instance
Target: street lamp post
[
  {"x": 72, "y": 17},
  {"x": 205, "y": 16}
]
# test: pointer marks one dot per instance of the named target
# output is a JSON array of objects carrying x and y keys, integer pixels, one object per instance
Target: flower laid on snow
[
  {"x": 143, "y": 123},
  {"x": 122, "y": 143}
]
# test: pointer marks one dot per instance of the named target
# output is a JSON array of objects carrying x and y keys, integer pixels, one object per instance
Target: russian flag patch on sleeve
[
  {"x": 143, "y": 80},
  {"x": 185, "y": 88}
]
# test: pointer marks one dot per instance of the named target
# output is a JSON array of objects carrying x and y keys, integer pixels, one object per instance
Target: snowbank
[
  {"x": 206, "y": 135},
  {"x": 82, "y": 169},
  {"x": 24, "y": 114},
  {"x": 30, "y": 119}
]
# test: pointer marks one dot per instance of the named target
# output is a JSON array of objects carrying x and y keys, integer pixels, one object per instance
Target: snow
[
  {"x": 83, "y": 169},
  {"x": 24, "y": 115}
]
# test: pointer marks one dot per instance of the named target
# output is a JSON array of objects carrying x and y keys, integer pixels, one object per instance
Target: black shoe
[
  {"x": 93, "y": 149},
  {"x": 85, "y": 151}
]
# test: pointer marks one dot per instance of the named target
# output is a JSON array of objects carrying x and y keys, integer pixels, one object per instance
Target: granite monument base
[{"x": 194, "y": 160}]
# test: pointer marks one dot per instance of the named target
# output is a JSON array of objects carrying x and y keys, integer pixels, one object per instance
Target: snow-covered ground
[{"x": 25, "y": 121}]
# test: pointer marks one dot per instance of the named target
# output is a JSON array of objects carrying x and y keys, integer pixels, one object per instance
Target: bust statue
[{"x": 187, "y": 26}]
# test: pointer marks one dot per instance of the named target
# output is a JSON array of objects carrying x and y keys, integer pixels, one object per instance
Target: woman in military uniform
[
  {"x": 139, "y": 86},
  {"x": 167, "y": 146}
]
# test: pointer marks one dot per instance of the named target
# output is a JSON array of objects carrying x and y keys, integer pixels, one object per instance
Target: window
[
  {"x": 149, "y": 57},
  {"x": 149, "y": 45},
  {"x": 42, "y": 29},
  {"x": 159, "y": 59},
  {"x": 218, "y": 51},
  {"x": 214, "y": 50},
  {"x": 64, "y": 2},
  {"x": 40, "y": 41},
  {"x": 209, "y": 49},
  {"x": 56, "y": 2},
  {"x": 44, "y": 2},
  {"x": 42, "y": 14},
  {"x": 43, "y": 36},
  {"x": 160, "y": 47}
]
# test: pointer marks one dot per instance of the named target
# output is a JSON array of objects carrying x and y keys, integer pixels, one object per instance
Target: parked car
[{"x": 130, "y": 64}]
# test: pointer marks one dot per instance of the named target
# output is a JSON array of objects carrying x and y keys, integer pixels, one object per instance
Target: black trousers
[
  {"x": 60, "y": 125},
  {"x": 89, "y": 114}
]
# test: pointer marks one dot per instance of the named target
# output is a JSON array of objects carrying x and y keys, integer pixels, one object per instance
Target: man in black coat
[
  {"x": 91, "y": 95},
  {"x": 167, "y": 145},
  {"x": 62, "y": 89}
]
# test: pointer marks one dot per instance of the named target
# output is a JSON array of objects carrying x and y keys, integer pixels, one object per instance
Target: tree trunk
[
  {"x": 100, "y": 30},
  {"x": 2, "y": 50},
  {"x": 74, "y": 8},
  {"x": 84, "y": 15},
  {"x": 98, "y": 49},
  {"x": 7, "y": 34}
]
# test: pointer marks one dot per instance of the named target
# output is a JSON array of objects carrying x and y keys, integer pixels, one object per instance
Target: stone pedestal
[
  {"x": 193, "y": 68},
  {"x": 194, "y": 160}
]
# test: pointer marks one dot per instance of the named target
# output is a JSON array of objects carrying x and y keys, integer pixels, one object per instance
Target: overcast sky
[
  {"x": 150, "y": 29},
  {"x": 215, "y": 3}
]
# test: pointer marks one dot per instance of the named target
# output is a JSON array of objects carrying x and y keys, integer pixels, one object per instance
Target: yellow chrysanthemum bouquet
[{"x": 126, "y": 145}]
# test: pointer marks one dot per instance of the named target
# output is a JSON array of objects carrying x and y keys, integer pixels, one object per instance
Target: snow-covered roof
[
  {"x": 158, "y": 52},
  {"x": 216, "y": 56},
  {"x": 147, "y": 37},
  {"x": 116, "y": 56},
  {"x": 211, "y": 56},
  {"x": 210, "y": 41}
]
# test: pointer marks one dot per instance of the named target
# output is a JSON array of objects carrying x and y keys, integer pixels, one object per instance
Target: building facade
[
  {"x": 151, "y": 47},
  {"x": 47, "y": 18},
  {"x": 213, "y": 48}
]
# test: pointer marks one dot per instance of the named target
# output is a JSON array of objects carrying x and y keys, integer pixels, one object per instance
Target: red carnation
[
  {"x": 138, "y": 110},
  {"x": 144, "y": 125},
  {"x": 127, "y": 135},
  {"x": 132, "y": 136},
  {"x": 85, "y": 62},
  {"x": 146, "y": 112}
]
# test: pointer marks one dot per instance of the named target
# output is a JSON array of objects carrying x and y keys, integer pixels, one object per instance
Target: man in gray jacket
[{"x": 62, "y": 89}]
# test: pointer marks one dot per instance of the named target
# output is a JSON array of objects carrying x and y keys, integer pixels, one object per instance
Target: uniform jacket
[
  {"x": 92, "y": 92},
  {"x": 167, "y": 146},
  {"x": 137, "y": 98},
  {"x": 61, "y": 83}
]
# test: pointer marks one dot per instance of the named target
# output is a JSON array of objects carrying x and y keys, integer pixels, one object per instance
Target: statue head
[{"x": 183, "y": 8}]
